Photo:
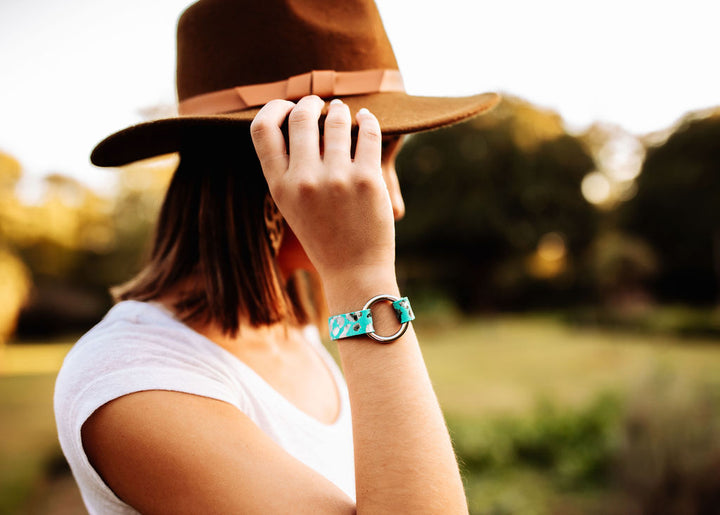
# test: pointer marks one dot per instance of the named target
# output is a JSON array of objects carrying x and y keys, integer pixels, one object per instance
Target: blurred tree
[
  {"x": 74, "y": 243},
  {"x": 53, "y": 235},
  {"x": 14, "y": 288},
  {"x": 677, "y": 210},
  {"x": 483, "y": 196},
  {"x": 621, "y": 266},
  {"x": 141, "y": 189},
  {"x": 618, "y": 156},
  {"x": 78, "y": 244},
  {"x": 14, "y": 275},
  {"x": 10, "y": 171},
  {"x": 69, "y": 219}
]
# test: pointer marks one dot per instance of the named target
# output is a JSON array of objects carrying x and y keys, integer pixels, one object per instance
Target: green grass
[
  {"x": 28, "y": 440},
  {"x": 494, "y": 366},
  {"x": 521, "y": 395},
  {"x": 538, "y": 409},
  {"x": 32, "y": 358}
]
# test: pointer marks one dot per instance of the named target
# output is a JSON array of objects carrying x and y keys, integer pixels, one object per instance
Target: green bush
[
  {"x": 575, "y": 446},
  {"x": 655, "y": 451},
  {"x": 669, "y": 456}
]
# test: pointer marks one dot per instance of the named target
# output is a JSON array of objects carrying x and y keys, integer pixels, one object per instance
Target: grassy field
[
  {"x": 28, "y": 442},
  {"x": 486, "y": 372},
  {"x": 505, "y": 365}
]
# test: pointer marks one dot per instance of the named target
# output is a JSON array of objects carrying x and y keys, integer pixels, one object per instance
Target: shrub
[
  {"x": 669, "y": 456},
  {"x": 576, "y": 446}
]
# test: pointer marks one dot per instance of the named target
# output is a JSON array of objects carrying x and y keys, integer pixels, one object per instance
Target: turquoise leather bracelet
[{"x": 357, "y": 323}]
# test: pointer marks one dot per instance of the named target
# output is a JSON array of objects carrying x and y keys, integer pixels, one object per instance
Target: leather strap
[
  {"x": 360, "y": 322},
  {"x": 324, "y": 83}
]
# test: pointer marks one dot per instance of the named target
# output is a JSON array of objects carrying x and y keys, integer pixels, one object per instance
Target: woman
[{"x": 205, "y": 389}]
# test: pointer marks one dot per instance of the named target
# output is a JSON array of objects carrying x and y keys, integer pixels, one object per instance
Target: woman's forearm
[
  {"x": 404, "y": 460},
  {"x": 340, "y": 207}
]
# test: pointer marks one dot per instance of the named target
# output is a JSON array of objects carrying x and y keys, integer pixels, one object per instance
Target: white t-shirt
[{"x": 140, "y": 346}]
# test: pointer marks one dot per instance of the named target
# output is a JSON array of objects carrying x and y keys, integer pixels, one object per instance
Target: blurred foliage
[
  {"x": 677, "y": 210},
  {"x": 576, "y": 446},
  {"x": 29, "y": 441},
  {"x": 618, "y": 156},
  {"x": 14, "y": 275},
  {"x": 632, "y": 312},
  {"x": 657, "y": 452},
  {"x": 14, "y": 288},
  {"x": 669, "y": 457},
  {"x": 482, "y": 196},
  {"x": 10, "y": 172},
  {"x": 71, "y": 245},
  {"x": 620, "y": 266},
  {"x": 501, "y": 213}
]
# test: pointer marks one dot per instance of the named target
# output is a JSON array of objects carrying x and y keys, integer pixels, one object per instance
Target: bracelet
[{"x": 360, "y": 322}]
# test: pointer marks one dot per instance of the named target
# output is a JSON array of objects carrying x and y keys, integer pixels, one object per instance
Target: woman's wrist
[{"x": 347, "y": 290}]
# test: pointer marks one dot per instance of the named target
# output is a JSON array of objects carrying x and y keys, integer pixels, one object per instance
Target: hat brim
[{"x": 398, "y": 113}]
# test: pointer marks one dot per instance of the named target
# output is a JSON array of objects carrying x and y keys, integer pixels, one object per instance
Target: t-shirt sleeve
[{"x": 111, "y": 362}]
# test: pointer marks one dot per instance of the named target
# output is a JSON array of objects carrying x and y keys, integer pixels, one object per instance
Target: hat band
[{"x": 324, "y": 83}]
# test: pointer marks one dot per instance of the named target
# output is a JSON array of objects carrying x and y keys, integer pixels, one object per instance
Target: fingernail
[
  {"x": 363, "y": 111},
  {"x": 336, "y": 101}
]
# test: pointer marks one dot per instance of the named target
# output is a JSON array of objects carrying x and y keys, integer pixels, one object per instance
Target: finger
[
  {"x": 303, "y": 130},
  {"x": 337, "y": 137},
  {"x": 268, "y": 139},
  {"x": 369, "y": 142}
]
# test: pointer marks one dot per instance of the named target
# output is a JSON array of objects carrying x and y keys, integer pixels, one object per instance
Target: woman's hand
[
  {"x": 338, "y": 207},
  {"x": 341, "y": 212}
]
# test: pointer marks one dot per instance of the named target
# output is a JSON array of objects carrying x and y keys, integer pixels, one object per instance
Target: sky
[{"x": 74, "y": 71}]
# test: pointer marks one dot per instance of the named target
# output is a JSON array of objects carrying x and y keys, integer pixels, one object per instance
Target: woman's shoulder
[
  {"x": 132, "y": 317},
  {"x": 137, "y": 346},
  {"x": 129, "y": 330}
]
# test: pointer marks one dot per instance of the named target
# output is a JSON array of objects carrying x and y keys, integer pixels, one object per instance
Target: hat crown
[{"x": 228, "y": 43}]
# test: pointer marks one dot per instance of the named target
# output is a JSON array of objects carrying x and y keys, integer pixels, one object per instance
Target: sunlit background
[{"x": 563, "y": 252}]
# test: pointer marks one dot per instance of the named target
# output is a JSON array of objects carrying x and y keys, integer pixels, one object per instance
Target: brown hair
[{"x": 211, "y": 229}]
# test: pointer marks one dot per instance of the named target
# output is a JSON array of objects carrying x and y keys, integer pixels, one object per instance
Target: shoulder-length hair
[{"x": 211, "y": 235}]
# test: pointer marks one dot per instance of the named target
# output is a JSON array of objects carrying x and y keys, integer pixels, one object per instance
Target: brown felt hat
[{"x": 233, "y": 56}]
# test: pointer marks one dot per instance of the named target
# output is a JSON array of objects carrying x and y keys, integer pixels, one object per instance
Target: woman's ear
[{"x": 391, "y": 148}]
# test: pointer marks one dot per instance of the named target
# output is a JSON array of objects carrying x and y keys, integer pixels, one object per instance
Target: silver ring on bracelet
[{"x": 403, "y": 326}]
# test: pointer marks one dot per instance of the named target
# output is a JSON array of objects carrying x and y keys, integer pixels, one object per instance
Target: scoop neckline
[{"x": 257, "y": 378}]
